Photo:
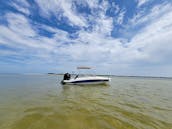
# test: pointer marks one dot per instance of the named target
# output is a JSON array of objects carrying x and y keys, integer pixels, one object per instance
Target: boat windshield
[{"x": 83, "y": 67}]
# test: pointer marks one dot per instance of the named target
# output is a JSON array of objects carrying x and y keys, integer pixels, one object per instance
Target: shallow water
[{"x": 41, "y": 102}]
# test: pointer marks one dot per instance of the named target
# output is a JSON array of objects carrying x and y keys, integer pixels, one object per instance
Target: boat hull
[{"x": 87, "y": 81}]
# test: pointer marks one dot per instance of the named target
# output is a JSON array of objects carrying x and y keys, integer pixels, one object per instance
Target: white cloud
[
  {"x": 7, "y": 52},
  {"x": 20, "y": 8},
  {"x": 20, "y": 34},
  {"x": 19, "y": 24},
  {"x": 92, "y": 3},
  {"x": 142, "y": 2},
  {"x": 61, "y": 8},
  {"x": 156, "y": 12},
  {"x": 115, "y": 8},
  {"x": 66, "y": 9},
  {"x": 155, "y": 39},
  {"x": 150, "y": 45},
  {"x": 104, "y": 25},
  {"x": 120, "y": 18}
]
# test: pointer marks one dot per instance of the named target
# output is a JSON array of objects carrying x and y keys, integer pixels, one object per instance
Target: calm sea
[{"x": 41, "y": 102}]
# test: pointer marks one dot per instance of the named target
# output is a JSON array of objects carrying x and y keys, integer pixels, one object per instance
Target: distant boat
[{"x": 85, "y": 80}]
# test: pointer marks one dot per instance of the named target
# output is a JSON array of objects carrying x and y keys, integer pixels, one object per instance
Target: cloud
[
  {"x": 19, "y": 25},
  {"x": 155, "y": 38},
  {"x": 148, "y": 46},
  {"x": 151, "y": 46},
  {"x": 154, "y": 13},
  {"x": 20, "y": 34},
  {"x": 61, "y": 9},
  {"x": 142, "y": 2},
  {"x": 120, "y": 18},
  {"x": 23, "y": 8}
]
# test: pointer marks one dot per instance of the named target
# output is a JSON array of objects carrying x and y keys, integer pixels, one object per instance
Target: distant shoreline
[
  {"x": 81, "y": 74},
  {"x": 117, "y": 75}
]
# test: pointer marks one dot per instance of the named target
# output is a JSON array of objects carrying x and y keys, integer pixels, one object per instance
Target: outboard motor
[{"x": 65, "y": 77}]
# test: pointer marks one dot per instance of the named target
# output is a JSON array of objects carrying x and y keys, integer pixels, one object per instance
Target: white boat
[{"x": 85, "y": 80}]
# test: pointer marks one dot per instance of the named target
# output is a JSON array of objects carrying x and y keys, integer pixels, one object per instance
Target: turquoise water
[{"x": 41, "y": 102}]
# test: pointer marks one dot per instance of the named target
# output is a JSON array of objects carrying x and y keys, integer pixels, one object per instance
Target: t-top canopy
[{"x": 83, "y": 67}]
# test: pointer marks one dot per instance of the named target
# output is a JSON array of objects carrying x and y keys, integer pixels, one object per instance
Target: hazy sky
[{"x": 122, "y": 37}]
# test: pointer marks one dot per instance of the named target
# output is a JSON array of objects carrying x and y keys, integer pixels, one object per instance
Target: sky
[{"x": 120, "y": 37}]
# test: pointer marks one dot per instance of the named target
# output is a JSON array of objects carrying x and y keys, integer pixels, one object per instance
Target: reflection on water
[{"x": 41, "y": 102}]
